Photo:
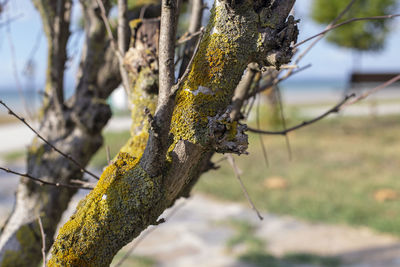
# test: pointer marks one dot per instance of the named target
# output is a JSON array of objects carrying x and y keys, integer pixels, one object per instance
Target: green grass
[
  {"x": 256, "y": 254},
  {"x": 14, "y": 156},
  {"x": 114, "y": 140},
  {"x": 337, "y": 166},
  {"x": 133, "y": 260}
]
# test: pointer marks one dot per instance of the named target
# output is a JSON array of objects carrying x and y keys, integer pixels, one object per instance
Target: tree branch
[
  {"x": 242, "y": 90},
  {"x": 334, "y": 109},
  {"x": 372, "y": 91},
  {"x": 246, "y": 194},
  {"x": 56, "y": 15},
  {"x": 123, "y": 39},
  {"x": 157, "y": 145},
  {"x": 43, "y": 182},
  {"x": 330, "y": 25},
  {"x": 43, "y": 241},
  {"x": 194, "y": 27},
  {"x": 344, "y": 23},
  {"x": 12, "y": 113}
]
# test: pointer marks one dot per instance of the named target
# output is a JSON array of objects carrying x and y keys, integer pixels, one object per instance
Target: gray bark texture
[{"x": 74, "y": 127}]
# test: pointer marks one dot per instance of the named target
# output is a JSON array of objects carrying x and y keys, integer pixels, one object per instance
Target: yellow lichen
[{"x": 105, "y": 214}]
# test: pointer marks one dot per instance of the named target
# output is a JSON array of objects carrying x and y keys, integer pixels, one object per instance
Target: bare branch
[
  {"x": 108, "y": 154},
  {"x": 108, "y": 28},
  {"x": 330, "y": 25},
  {"x": 342, "y": 104},
  {"x": 9, "y": 20},
  {"x": 121, "y": 47},
  {"x": 123, "y": 39},
  {"x": 372, "y": 91},
  {"x": 157, "y": 145},
  {"x": 168, "y": 25},
  {"x": 187, "y": 37},
  {"x": 186, "y": 72},
  {"x": 334, "y": 109},
  {"x": 246, "y": 194},
  {"x": 279, "y": 96},
  {"x": 43, "y": 182},
  {"x": 12, "y": 113},
  {"x": 344, "y": 23},
  {"x": 264, "y": 150},
  {"x": 242, "y": 90},
  {"x": 194, "y": 27},
  {"x": 278, "y": 80},
  {"x": 56, "y": 17},
  {"x": 43, "y": 241}
]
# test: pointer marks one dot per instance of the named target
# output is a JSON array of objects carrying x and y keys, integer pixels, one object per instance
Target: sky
[{"x": 20, "y": 39}]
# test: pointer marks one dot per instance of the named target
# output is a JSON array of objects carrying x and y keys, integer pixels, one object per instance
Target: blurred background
[{"x": 329, "y": 192}]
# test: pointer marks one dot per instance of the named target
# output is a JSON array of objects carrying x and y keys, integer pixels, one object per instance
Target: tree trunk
[
  {"x": 73, "y": 127},
  {"x": 127, "y": 199}
]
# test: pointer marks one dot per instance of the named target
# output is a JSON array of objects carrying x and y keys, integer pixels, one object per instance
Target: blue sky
[{"x": 327, "y": 60}]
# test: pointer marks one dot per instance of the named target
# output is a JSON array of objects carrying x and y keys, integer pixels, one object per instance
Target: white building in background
[{"x": 118, "y": 99}]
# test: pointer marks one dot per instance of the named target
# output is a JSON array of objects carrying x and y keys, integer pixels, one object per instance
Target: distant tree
[{"x": 366, "y": 35}]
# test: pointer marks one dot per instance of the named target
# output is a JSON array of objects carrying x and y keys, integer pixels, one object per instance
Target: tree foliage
[{"x": 366, "y": 35}]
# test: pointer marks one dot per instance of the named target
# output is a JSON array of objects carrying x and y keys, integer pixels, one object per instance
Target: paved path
[
  {"x": 16, "y": 136},
  {"x": 197, "y": 232}
]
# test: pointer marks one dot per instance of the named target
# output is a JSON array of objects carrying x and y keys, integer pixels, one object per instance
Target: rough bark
[
  {"x": 75, "y": 129},
  {"x": 127, "y": 199},
  {"x": 141, "y": 62}
]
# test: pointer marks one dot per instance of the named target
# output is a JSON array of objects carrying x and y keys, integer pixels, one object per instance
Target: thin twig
[
  {"x": 82, "y": 169},
  {"x": 303, "y": 53},
  {"x": 187, "y": 36},
  {"x": 246, "y": 194},
  {"x": 114, "y": 45},
  {"x": 342, "y": 104},
  {"x": 43, "y": 241},
  {"x": 243, "y": 89},
  {"x": 264, "y": 150},
  {"x": 283, "y": 119},
  {"x": 279, "y": 80},
  {"x": 187, "y": 70},
  {"x": 103, "y": 14},
  {"x": 341, "y": 14},
  {"x": 344, "y": 23},
  {"x": 372, "y": 91},
  {"x": 108, "y": 154},
  {"x": 194, "y": 29},
  {"x": 9, "y": 20},
  {"x": 334, "y": 109},
  {"x": 43, "y": 182},
  {"x": 122, "y": 40}
]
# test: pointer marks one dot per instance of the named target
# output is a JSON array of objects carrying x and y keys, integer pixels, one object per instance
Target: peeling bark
[{"x": 127, "y": 198}]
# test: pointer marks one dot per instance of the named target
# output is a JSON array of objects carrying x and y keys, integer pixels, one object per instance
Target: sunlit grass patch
[{"x": 338, "y": 166}]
